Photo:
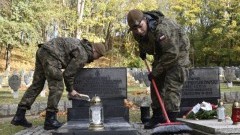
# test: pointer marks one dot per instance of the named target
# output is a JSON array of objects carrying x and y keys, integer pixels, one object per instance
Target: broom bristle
[{"x": 171, "y": 129}]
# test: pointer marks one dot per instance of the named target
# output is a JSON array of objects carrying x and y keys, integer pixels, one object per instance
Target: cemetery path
[{"x": 35, "y": 130}]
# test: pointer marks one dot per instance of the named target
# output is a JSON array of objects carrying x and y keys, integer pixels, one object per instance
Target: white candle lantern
[
  {"x": 220, "y": 112},
  {"x": 96, "y": 114}
]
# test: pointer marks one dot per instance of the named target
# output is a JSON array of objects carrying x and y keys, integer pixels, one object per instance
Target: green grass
[
  {"x": 224, "y": 88},
  {"x": 8, "y": 129}
]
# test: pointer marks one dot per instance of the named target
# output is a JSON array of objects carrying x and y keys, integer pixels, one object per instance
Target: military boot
[
  {"x": 156, "y": 118},
  {"x": 172, "y": 116},
  {"x": 19, "y": 119},
  {"x": 51, "y": 121}
]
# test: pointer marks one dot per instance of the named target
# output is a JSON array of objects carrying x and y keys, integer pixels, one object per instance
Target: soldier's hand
[
  {"x": 150, "y": 76},
  {"x": 143, "y": 55},
  {"x": 73, "y": 93}
]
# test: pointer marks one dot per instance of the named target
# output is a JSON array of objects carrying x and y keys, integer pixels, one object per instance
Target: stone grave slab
[
  {"x": 203, "y": 84},
  {"x": 112, "y": 126},
  {"x": 212, "y": 127}
]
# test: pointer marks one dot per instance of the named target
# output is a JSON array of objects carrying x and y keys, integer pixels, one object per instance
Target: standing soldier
[
  {"x": 59, "y": 53},
  {"x": 165, "y": 40}
]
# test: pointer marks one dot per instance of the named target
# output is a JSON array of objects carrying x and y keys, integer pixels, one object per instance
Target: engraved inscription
[
  {"x": 202, "y": 83},
  {"x": 104, "y": 82}
]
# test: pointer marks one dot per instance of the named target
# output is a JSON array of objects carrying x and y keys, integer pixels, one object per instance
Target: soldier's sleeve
[
  {"x": 141, "y": 50},
  {"x": 167, "y": 39},
  {"x": 77, "y": 61}
]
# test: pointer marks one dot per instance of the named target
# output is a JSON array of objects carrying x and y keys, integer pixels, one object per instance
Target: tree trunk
[
  {"x": 8, "y": 56},
  {"x": 80, "y": 10},
  {"x": 44, "y": 35}
]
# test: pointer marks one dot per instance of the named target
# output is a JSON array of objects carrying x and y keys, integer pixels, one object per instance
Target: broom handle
[{"x": 158, "y": 95}]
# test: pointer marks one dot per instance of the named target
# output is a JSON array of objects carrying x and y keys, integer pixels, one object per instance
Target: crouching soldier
[{"x": 60, "y": 53}]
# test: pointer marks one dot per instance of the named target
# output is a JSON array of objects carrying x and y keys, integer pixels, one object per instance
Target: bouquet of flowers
[{"x": 202, "y": 111}]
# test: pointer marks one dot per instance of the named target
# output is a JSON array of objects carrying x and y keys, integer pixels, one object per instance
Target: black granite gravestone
[
  {"x": 203, "y": 84},
  {"x": 110, "y": 84}
]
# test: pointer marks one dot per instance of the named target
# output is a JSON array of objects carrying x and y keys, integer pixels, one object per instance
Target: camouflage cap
[
  {"x": 100, "y": 48},
  {"x": 134, "y": 18}
]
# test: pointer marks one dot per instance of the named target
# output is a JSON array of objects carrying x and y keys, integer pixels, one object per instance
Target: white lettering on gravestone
[{"x": 15, "y": 83}]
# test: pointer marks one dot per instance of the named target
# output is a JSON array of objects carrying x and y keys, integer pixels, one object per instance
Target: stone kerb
[{"x": 38, "y": 107}]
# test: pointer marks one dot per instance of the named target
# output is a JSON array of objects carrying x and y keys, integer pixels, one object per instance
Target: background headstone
[
  {"x": 28, "y": 78},
  {"x": 237, "y": 73},
  {"x": 221, "y": 74},
  {"x": 15, "y": 83},
  {"x": 229, "y": 75}
]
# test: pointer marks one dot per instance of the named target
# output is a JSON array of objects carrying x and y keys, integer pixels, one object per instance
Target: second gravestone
[
  {"x": 110, "y": 84},
  {"x": 203, "y": 84}
]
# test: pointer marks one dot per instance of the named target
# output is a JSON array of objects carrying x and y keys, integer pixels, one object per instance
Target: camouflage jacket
[
  {"x": 166, "y": 41},
  {"x": 72, "y": 54}
]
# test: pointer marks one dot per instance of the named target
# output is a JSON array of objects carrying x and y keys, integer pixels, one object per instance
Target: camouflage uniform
[
  {"x": 168, "y": 44},
  {"x": 59, "y": 53}
]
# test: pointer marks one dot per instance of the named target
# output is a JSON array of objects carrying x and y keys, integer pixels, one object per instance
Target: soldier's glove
[
  {"x": 143, "y": 55},
  {"x": 150, "y": 76}
]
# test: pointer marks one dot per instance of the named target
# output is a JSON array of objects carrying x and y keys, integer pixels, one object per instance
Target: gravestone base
[
  {"x": 112, "y": 126},
  {"x": 212, "y": 127}
]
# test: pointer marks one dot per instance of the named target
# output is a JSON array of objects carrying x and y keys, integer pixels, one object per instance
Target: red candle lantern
[{"x": 236, "y": 113}]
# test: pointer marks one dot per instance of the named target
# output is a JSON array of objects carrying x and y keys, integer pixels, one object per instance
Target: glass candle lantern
[
  {"x": 236, "y": 113},
  {"x": 220, "y": 112},
  {"x": 96, "y": 114}
]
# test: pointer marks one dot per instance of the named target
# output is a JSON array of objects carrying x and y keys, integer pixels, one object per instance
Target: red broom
[{"x": 168, "y": 127}]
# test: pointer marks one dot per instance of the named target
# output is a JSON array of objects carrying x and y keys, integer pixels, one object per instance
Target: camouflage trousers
[
  {"x": 169, "y": 85},
  {"x": 46, "y": 68}
]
